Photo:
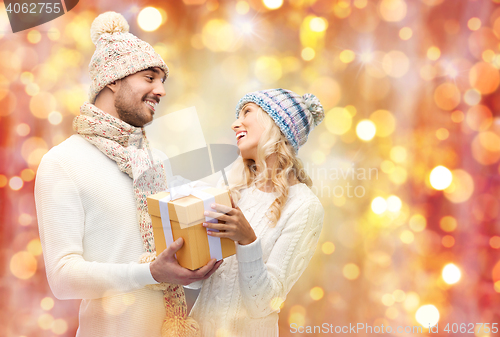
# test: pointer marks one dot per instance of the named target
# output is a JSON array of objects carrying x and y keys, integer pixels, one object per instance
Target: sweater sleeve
[
  {"x": 260, "y": 282},
  {"x": 61, "y": 221}
]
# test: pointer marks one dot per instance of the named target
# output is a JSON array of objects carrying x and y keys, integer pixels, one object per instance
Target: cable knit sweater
[
  {"x": 237, "y": 300},
  {"x": 92, "y": 242}
]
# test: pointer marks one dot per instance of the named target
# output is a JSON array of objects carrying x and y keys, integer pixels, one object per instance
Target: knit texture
[
  {"x": 129, "y": 148},
  {"x": 295, "y": 115},
  {"x": 236, "y": 299},
  {"x": 91, "y": 242},
  {"x": 118, "y": 53}
]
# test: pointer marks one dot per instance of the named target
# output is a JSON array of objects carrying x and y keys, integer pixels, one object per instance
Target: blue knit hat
[{"x": 295, "y": 115}]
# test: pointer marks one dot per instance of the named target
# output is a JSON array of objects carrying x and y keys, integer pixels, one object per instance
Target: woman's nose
[{"x": 236, "y": 124}]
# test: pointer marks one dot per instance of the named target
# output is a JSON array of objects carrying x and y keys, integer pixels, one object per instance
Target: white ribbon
[{"x": 194, "y": 189}]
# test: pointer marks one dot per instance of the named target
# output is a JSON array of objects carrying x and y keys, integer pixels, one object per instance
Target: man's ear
[{"x": 113, "y": 86}]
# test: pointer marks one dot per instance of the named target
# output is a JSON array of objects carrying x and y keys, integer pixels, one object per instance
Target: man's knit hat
[
  {"x": 118, "y": 53},
  {"x": 295, "y": 115}
]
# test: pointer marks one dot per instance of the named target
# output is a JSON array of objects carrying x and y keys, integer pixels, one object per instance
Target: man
[{"x": 91, "y": 192}]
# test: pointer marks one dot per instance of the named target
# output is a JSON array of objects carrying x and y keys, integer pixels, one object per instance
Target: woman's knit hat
[
  {"x": 118, "y": 53},
  {"x": 295, "y": 115}
]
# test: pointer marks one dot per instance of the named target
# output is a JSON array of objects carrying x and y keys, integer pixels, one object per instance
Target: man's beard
[{"x": 127, "y": 111}]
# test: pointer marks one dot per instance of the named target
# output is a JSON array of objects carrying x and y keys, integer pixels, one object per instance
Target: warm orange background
[{"x": 422, "y": 74}]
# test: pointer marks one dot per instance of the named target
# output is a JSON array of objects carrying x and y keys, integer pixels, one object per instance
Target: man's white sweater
[
  {"x": 91, "y": 242},
  {"x": 242, "y": 297}
]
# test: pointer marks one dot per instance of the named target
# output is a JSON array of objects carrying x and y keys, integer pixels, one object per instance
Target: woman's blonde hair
[{"x": 286, "y": 165}]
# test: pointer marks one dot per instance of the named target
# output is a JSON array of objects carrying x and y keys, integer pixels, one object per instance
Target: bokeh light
[
  {"x": 308, "y": 53},
  {"x": 328, "y": 248},
  {"x": 393, "y": 10},
  {"x": 379, "y": 205},
  {"x": 405, "y": 33},
  {"x": 451, "y": 273},
  {"x": 461, "y": 187},
  {"x": 433, "y": 53},
  {"x": 338, "y": 121},
  {"x": 347, "y": 56},
  {"x": 427, "y": 315},
  {"x": 448, "y": 241},
  {"x": 484, "y": 77},
  {"x": 149, "y": 19},
  {"x": 16, "y": 183},
  {"x": 474, "y": 23},
  {"x": 351, "y": 271},
  {"x": 47, "y": 303},
  {"x": 495, "y": 242},
  {"x": 448, "y": 223},
  {"x": 384, "y": 121},
  {"x": 23, "y": 265},
  {"x": 242, "y": 7},
  {"x": 440, "y": 177},
  {"x": 268, "y": 69},
  {"x": 273, "y": 4},
  {"x": 316, "y": 293},
  {"x": 366, "y": 130},
  {"x": 418, "y": 223},
  {"x": 394, "y": 204},
  {"x": 407, "y": 237},
  {"x": 447, "y": 96}
]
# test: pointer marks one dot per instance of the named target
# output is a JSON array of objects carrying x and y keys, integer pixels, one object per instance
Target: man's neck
[{"x": 106, "y": 104}]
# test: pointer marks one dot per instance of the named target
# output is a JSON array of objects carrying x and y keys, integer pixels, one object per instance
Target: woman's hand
[{"x": 236, "y": 226}]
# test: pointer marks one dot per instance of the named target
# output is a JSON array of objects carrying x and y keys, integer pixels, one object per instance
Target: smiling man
[
  {"x": 133, "y": 99},
  {"x": 91, "y": 193}
]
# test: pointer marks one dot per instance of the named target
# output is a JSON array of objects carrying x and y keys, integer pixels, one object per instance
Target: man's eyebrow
[{"x": 156, "y": 71}]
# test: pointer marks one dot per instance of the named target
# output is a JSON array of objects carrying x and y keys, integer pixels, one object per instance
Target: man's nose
[{"x": 159, "y": 90}]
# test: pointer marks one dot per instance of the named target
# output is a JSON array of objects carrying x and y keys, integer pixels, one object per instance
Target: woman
[{"x": 276, "y": 224}]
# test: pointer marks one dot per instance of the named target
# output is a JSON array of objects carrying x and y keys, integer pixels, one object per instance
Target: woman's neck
[{"x": 268, "y": 186}]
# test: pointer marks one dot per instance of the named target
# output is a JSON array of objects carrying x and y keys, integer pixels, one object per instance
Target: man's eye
[{"x": 149, "y": 78}]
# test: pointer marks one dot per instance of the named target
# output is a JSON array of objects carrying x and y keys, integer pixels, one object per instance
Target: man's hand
[{"x": 166, "y": 268}]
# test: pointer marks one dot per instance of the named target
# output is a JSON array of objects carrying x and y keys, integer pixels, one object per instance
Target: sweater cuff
[
  {"x": 142, "y": 275},
  {"x": 249, "y": 253}
]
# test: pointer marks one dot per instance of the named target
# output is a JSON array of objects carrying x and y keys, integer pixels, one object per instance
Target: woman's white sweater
[{"x": 242, "y": 297}]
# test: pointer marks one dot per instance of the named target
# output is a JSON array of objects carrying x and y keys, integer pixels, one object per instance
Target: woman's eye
[{"x": 150, "y": 78}]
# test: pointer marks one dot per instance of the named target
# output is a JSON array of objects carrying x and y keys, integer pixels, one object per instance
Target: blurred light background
[{"x": 406, "y": 162}]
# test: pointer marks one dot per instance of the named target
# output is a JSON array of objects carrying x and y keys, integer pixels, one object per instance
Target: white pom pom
[
  {"x": 109, "y": 22},
  {"x": 315, "y": 108}
]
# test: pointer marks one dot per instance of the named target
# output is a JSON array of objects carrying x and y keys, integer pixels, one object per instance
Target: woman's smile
[{"x": 239, "y": 135}]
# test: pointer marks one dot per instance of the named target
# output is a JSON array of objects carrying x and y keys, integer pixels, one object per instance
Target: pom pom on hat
[
  {"x": 109, "y": 22},
  {"x": 315, "y": 108}
]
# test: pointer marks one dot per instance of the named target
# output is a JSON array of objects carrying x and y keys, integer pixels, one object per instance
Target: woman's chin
[{"x": 245, "y": 155}]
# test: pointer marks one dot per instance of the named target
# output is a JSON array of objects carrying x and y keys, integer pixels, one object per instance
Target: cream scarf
[{"x": 129, "y": 148}]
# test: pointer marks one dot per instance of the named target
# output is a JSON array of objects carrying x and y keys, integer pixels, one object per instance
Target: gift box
[{"x": 183, "y": 217}]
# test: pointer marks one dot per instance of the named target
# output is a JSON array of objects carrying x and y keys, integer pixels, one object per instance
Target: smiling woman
[{"x": 276, "y": 222}]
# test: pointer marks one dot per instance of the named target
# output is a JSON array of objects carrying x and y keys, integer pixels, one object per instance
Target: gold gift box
[{"x": 186, "y": 220}]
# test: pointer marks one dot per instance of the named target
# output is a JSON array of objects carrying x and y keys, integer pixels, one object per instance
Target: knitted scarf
[{"x": 129, "y": 148}]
